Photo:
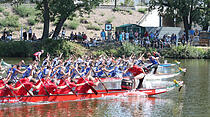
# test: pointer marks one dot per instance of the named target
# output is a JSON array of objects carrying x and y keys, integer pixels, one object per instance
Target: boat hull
[{"x": 72, "y": 97}]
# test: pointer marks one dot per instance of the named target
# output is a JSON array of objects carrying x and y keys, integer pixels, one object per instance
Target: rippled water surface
[{"x": 192, "y": 101}]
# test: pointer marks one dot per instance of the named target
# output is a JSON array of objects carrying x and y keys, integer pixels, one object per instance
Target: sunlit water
[{"x": 192, "y": 101}]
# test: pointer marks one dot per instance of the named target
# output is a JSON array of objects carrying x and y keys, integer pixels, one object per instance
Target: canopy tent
[{"x": 133, "y": 27}]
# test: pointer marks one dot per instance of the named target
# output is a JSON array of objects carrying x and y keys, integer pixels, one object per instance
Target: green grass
[
  {"x": 73, "y": 24},
  {"x": 102, "y": 14},
  {"x": 1, "y": 9},
  {"x": 25, "y": 11},
  {"x": 142, "y": 10},
  {"x": 32, "y": 20},
  {"x": 10, "y": 21},
  {"x": 117, "y": 9},
  {"x": 6, "y": 13},
  {"x": 93, "y": 27},
  {"x": 110, "y": 20}
]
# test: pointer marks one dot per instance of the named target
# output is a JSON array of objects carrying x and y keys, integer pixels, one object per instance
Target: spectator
[
  {"x": 29, "y": 33},
  {"x": 109, "y": 35},
  {"x": 34, "y": 37},
  {"x": 136, "y": 34},
  {"x": 127, "y": 36},
  {"x": 103, "y": 35},
  {"x": 123, "y": 35},
  {"x": 4, "y": 34},
  {"x": 63, "y": 33},
  {"x": 9, "y": 36},
  {"x": 84, "y": 36},
  {"x": 72, "y": 36},
  {"x": 25, "y": 35}
]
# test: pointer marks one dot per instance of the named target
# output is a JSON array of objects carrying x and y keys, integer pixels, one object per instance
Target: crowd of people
[
  {"x": 148, "y": 39},
  {"x": 59, "y": 76},
  {"x": 25, "y": 35}
]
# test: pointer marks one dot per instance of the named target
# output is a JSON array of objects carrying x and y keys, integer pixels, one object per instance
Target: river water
[{"x": 192, "y": 101}]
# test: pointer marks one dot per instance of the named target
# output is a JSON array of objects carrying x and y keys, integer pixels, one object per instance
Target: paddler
[
  {"x": 28, "y": 85},
  {"x": 37, "y": 55},
  {"x": 8, "y": 89},
  {"x": 89, "y": 80},
  {"x": 137, "y": 74},
  {"x": 154, "y": 63}
]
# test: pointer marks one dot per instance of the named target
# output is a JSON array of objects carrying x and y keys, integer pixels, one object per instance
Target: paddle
[
  {"x": 87, "y": 83},
  {"x": 177, "y": 62},
  {"x": 69, "y": 87},
  {"x": 44, "y": 87},
  {"x": 177, "y": 84},
  {"x": 182, "y": 70},
  {"x": 100, "y": 80},
  {"x": 10, "y": 90},
  {"x": 24, "y": 87}
]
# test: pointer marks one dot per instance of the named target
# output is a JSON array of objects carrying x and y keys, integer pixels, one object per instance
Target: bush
[
  {"x": 129, "y": 11},
  {"x": 116, "y": 9},
  {"x": 102, "y": 14},
  {"x": 93, "y": 27},
  {"x": 142, "y": 10},
  {"x": 73, "y": 24},
  {"x": 32, "y": 21},
  {"x": 10, "y": 21},
  {"x": 26, "y": 49},
  {"x": 110, "y": 20},
  {"x": 185, "y": 52},
  {"x": 6, "y": 13},
  {"x": 1, "y": 9},
  {"x": 25, "y": 11}
]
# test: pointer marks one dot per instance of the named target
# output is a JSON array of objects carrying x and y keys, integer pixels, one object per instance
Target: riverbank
[{"x": 55, "y": 47}]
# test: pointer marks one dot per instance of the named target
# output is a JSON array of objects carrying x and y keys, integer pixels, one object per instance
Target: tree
[
  {"x": 62, "y": 10},
  {"x": 188, "y": 11},
  {"x": 44, "y": 7}
]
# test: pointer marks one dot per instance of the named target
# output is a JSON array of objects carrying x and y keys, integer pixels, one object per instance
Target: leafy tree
[
  {"x": 62, "y": 10},
  {"x": 188, "y": 11}
]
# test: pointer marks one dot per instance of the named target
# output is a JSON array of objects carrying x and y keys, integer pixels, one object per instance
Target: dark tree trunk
[
  {"x": 186, "y": 26},
  {"x": 59, "y": 26},
  {"x": 46, "y": 16},
  {"x": 115, "y": 4}
]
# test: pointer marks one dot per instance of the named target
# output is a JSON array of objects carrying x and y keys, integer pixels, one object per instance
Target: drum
[{"x": 126, "y": 84}]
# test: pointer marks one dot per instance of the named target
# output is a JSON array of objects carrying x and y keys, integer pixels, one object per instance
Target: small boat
[
  {"x": 161, "y": 76},
  {"x": 84, "y": 96},
  {"x": 148, "y": 77},
  {"x": 167, "y": 65}
]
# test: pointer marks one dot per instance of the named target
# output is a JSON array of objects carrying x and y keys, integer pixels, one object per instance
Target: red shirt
[
  {"x": 23, "y": 80},
  {"x": 50, "y": 88},
  {"x": 6, "y": 91},
  {"x": 135, "y": 70},
  {"x": 84, "y": 88},
  {"x": 22, "y": 91},
  {"x": 37, "y": 53},
  {"x": 1, "y": 83},
  {"x": 67, "y": 89}
]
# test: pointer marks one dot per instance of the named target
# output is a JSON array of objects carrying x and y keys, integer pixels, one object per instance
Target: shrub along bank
[{"x": 55, "y": 47}]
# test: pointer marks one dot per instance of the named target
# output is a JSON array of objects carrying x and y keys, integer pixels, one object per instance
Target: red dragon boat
[{"x": 84, "y": 96}]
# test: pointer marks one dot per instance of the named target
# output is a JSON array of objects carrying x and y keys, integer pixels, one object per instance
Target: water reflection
[{"x": 121, "y": 106}]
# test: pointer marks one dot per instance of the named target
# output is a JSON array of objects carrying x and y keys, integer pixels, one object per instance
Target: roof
[{"x": 128, "y": 25}]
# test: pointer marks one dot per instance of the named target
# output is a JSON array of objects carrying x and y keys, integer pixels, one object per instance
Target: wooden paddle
[
  {"x": 91, "y": 87},
  {"x": 69, "y": 87},
  {"x": 180, "y": 87},
  {"x": 24, "y": 87},
  {"x": 44, "y": 87},
  {"x": 101, "y": 81}
]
